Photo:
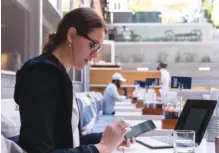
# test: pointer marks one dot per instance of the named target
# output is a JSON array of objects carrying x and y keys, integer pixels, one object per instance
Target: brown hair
[
  {"x": 84, "y": 20},
  {"x": 162, "y": 65}
]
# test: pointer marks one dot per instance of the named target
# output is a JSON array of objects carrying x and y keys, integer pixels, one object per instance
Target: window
[
  {"x": 14, "y": 40},
  {"x": 78, "y": 75},
  {"x": 54, "y": 3},
  {"x": 65, "y": 6},
  {"x": 75, "y": 75}
]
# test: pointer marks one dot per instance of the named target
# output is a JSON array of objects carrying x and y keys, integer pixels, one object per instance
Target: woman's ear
[{"x": 70, "y": 34}]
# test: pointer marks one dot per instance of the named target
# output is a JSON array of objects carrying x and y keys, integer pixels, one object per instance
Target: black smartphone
[{"x": 140, "y": 129}]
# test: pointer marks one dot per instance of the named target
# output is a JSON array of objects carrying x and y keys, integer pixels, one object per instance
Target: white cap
[{"x": 118, "y": 76}]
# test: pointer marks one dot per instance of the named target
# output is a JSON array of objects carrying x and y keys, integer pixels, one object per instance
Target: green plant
[
  {"x": 157, "y": 39},
  {"x": 206, "y": 59},
  {"x": 138, "y": 58},
  {"x": 162, "y": 57},
  {"x": 136, "y": 38},
  {"x": 178, "y": 58},
  {"x": 189, "y": 57},
  {"x": 208, "y": 10}
]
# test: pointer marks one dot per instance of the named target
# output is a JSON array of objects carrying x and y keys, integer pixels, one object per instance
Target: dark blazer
[{"x": 44, "y": 94}]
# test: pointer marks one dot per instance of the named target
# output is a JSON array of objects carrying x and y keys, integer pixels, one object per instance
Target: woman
[
  {"x": 165, "y": 76},
  {"x": 44, "y": 91},
  {"x": 165, "y": 80}
]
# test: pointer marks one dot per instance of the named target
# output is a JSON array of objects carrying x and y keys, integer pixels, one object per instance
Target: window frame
[{"x": 82, "y": 78}]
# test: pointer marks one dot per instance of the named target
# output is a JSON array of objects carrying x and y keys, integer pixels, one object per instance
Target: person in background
[
  {"x": 165, "y": 79},
  {"x": 50, "y": 118},
  {"x": 111, "y": 95}
]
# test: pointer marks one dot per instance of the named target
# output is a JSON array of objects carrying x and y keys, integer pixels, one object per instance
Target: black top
[{"x": 44, "y": 94}]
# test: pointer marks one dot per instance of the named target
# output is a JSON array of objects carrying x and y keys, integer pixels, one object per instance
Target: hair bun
[{"x": 52, "y": 37}]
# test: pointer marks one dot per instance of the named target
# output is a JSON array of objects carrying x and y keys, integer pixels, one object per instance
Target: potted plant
[
  {"x": 162, "y": 57},
  {"x": 138, "y": 58},
  {"x": 205, "y": 59},
  {"x": 178, "y": 58}
]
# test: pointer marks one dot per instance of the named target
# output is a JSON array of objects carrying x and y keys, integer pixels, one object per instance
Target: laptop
[{"x": 195, "y": 116}]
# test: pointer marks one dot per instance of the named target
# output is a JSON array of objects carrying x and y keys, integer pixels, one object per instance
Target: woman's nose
[{"x": 93, "y": 55}]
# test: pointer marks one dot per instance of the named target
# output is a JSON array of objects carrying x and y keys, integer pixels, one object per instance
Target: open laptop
[{"x": 195, "y": 116}]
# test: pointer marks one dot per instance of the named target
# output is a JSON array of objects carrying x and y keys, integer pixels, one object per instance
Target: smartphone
[{"x": 140, "y": 129}]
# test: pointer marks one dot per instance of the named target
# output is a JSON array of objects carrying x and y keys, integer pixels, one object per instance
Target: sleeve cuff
[{"x": 93, "y": 149}]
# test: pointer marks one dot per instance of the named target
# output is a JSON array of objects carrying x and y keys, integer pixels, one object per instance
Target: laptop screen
[
  {"x": 182, "y": 82},
  {"x": 152, "y": 81},
  {"x": 195, "y": 119},
  {"x": 141, "y": 83},
  {"x": 195, "y": 116}
]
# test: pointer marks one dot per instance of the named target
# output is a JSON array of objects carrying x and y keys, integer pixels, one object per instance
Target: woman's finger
[
  {"x": 133, "y": 140},
  {"x": 123, "y": 124},
  {"x": 128, "y": 143}
]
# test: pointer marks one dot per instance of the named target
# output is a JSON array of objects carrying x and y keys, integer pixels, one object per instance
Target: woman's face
[{"x": 87, "y": 47}]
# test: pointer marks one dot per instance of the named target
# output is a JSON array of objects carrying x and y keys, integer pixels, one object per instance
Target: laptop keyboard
[{"x": 165, "y": 139}]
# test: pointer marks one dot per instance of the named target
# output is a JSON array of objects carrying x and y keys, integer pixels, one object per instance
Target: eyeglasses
[{"x": 94, "y": 45}]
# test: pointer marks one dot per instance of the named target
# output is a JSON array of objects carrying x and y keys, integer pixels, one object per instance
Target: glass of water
[{"x": 184, "y": 141}]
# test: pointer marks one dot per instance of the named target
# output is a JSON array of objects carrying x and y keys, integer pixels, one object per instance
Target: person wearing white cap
[{"x": 111, "y": 95}]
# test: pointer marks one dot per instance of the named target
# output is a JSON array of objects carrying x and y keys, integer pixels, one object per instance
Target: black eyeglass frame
[{"x": 94, "y": 45}]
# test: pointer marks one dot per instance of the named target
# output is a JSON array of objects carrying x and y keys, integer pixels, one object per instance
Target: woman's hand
[
  {"x": 128, "y": 142},
  {"x": 113, "y": 136}
]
